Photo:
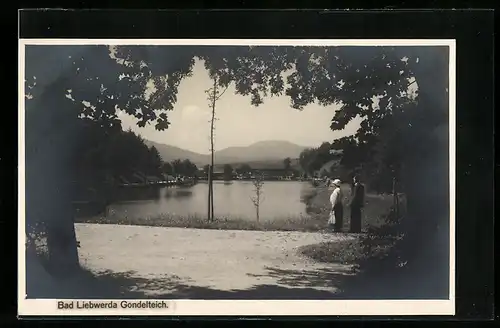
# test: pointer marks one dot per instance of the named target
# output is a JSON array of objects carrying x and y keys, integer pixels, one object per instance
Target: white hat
[{"x": 336, "y": 182}]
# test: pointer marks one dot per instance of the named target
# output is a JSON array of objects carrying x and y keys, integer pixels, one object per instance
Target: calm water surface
[{"x": 280, "y": 199}]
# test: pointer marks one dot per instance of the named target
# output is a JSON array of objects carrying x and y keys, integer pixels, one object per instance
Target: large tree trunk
[
  {"x": 426, "y": 165},
  {"x": 49, "y": 201},
  {"x": 426, "y": 246},
  {"x": 426, "y": 175},
  {"x": 61, "y": 237},
  {"x": 52, "y": 132}
]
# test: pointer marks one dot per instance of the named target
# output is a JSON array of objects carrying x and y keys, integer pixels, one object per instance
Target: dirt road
[{"x": 194, "y": 263}]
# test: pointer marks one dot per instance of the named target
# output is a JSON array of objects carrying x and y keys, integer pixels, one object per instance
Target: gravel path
[{"x": 191, "y": 262}]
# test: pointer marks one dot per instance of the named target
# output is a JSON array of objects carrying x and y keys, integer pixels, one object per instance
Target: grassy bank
[
  {"x": 318, "y": 206},
  {"x": 376, "y": 244},
  {"x": 306, "y": 224}
]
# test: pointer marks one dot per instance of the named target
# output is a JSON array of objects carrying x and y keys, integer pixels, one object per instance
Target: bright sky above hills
[{"x": 239, "y": 123}]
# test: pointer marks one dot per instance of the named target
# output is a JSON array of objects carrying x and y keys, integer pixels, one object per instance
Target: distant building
[{"x": 275, "y": 173}]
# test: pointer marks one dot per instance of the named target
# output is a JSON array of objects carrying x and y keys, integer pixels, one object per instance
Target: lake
[{"x": 280, "y": 199}]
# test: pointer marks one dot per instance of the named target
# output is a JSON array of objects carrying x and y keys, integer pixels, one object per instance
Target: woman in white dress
[{"x": 337, "y": 211}]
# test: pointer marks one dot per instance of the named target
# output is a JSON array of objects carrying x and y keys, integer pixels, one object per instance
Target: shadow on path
[
  {"x": 126, "y": 285},
  {"x": 290, "y": 284},
  {"x": 299, "y": 279}
]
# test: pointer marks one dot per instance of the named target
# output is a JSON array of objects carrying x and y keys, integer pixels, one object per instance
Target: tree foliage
[
  {"x": 184, "y": 168},
  {"x": 287, "y": 164},
  {"x": 244, "y": 169},
  {"x": 371, "y": 83},
  {"x": 312, "y": 159},
  {"x": 206, "y": 167},
  {"x": 123, "y": 153},
  {"x": 167, "y": 168},
  {"x": 71, "y": 90},
  {"x": 228, "y": 172},
  {"x": 188, "y": 168},
  {"x": 355, "y": 78}
]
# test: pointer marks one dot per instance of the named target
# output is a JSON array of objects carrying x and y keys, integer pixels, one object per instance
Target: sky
[{"x": 239, "y": 123}]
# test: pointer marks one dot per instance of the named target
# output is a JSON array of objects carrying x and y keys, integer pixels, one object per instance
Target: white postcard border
[{"x": 41, "y": 307}]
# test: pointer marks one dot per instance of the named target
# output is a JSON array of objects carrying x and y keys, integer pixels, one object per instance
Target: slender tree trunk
[
  {"x": 209, "y": 179},
  {"x": 212, "y": 196},
  {"x": 212, "y": 127}
]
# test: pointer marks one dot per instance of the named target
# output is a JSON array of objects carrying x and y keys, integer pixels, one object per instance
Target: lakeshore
[{"x": 314, "y": 217}]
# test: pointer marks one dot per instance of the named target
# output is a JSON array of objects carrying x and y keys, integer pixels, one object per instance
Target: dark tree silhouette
[
  {"x": 312, "y": 159},
  {"x": 167, "y": 168},
  {"x": 205, "y": 169},
  {"x": 244, "y": 169},
  {"x": 155, "y": 160},
  {"x": 188, "y": 168},
  {"x": 66, "y": 87},
  {"x": 112, "y": 155},
  {"x": 287, "y": 164},
  {"x": 228, "y": 172},
  {"x": 306, "y": 160},
  {"x": 177, "y": 167}
]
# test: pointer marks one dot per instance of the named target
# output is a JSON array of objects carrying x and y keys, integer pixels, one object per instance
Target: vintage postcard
[{"x": 236, "y": 177}]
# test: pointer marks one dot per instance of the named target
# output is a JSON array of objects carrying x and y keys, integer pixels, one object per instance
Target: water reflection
[
  {"x": 137, "y": 193},
  {"x": 177, "y": 192},
  {"x": 280, "y": 199}
]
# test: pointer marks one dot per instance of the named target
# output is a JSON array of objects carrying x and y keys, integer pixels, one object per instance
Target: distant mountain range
[{"x": 263, "y": 151}]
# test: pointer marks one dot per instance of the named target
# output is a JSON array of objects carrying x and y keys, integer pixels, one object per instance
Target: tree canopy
[
  {"x": 144, "y": 80},
  {"x": 244, "y": 169},
  {"x": 228, "y": 172},
  {"x": 372, "y": 83},
  {"x": 121, "y": 154},
  {"x": 287, "y": 164},
  {"x": 183, "y": 167}
]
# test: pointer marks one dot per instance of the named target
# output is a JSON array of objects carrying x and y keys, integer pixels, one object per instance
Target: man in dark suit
[{"x": 357, "y": 202}]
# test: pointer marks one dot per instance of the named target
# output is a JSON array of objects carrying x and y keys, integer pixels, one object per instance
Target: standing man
[
  {"x": 337, "y": 206},
  {"x": 357, "y": 202}
]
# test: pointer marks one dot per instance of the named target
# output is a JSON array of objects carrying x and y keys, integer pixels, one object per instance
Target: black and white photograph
[{"x": 157, "y": 172}]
